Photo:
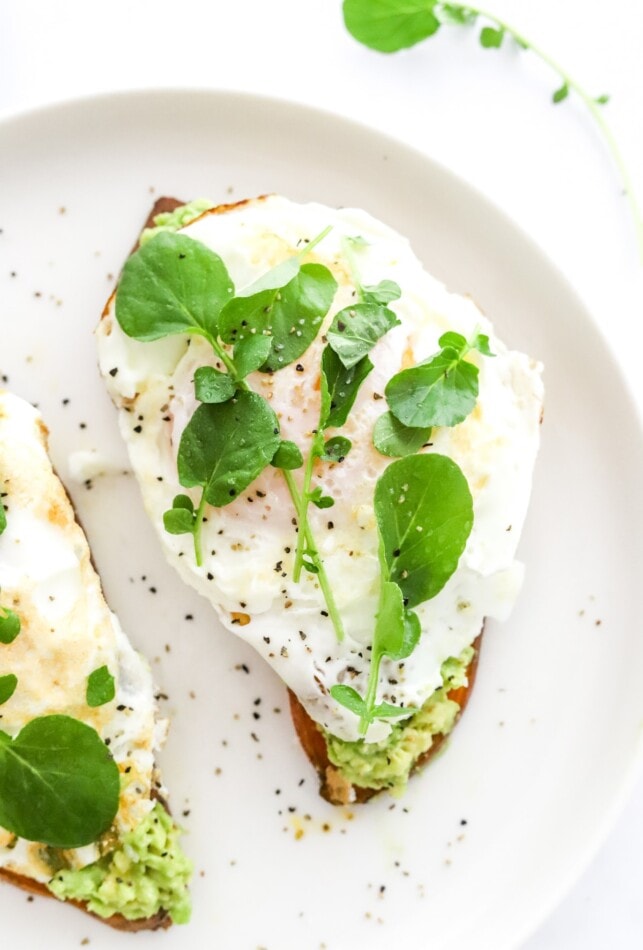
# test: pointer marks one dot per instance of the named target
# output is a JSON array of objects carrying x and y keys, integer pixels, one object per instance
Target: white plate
[{"x": 547, "y": 749}]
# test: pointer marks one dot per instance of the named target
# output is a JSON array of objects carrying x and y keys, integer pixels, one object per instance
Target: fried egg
[
  {"x": 67, "y": 632},
  {"x": 249, "y": 544}
]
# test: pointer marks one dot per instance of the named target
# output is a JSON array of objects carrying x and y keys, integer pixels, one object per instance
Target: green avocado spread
[
  {"x": 146, "y": 873},
  {"x": 388, "y": 764},
  {"x": 179, "y": 218}
]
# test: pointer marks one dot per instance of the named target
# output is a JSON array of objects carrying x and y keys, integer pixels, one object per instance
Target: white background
[{"x": 487, "y": 115}]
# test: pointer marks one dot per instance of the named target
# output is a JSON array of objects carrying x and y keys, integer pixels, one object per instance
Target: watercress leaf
[
  {"x": 560, "y": 94},
  {"x": 342, "y": 386},
  {"x": 392, "y": 438},
  {"x": 178, "y": 521},
  {"x": 355, "y": 330},
  {"x": 8, "y": 685},
  {"x": 319, "y": 499},
  {"x": 172, "y": 284},
  {"x": 310, "y": 566},
  {"x": 9, "y": 625},
  {"x": 349, "y": 698},
  {"x": 59, "y": 785},
  {"x": 389, "y": 623},
  {"x": 441, "y": 392},
  {"x": 390, "y": 25},
  {"x": 384, "y": 292},
  {"x": 454, "y": 340},
  {"x": 224, "y": 447},
  {"x": 388, "y": 711},
  {"x": 251, "y": 353},
  {"x": 100, "y": 687},
  {"x": 480, "y": 342},
  {"x": 336, "y": 449},
  {"x": 212, "y": 386},
  {"x": 410, "y": 638},
  {"x": 288, "y": 456},
  {"x": 291, "y": 315},
  {"x": 183, "y": 501},
  {"x": 3, "y": 517},
  {"x": 602, "y": 100},
  {"x": 275, "y": 278},
  {"x": 424, "y": 513},
  {"x": 491, "y": 38}
]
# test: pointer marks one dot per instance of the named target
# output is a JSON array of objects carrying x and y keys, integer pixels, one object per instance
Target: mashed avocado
[
  {"x": 388, "y": 764},
  {"x": 173, "y": 220},
  {"x": 147, "y": 873}
]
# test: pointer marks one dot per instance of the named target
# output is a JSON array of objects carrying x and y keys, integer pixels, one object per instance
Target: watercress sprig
[
  {"x": 424, "y": 513},
  {"x": 345, "y": 364},
  {"x": 169, "y": 286},
  {"x": 392, "y": 25},
  {"x": 442, "y": 390}
]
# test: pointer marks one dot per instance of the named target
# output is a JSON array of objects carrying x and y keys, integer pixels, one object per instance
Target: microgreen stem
[
  {"x": 315, "y": 241},
  {"x": 591, "y": 103},
  {"x": 227, "y": 361},
  {"x": 352, "y": 264},
  {"x": 305, "y": 502},
  {"x": 198, "y": 524},
  {"x": 305, "y": 531}
]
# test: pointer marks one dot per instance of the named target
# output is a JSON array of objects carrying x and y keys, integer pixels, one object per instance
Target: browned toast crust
[
  {"x": 160, "y": 921},
  {"x": 333, "y": 786}
]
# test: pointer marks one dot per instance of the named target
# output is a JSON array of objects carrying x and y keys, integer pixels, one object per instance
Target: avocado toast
[{"x": 334, "y": 450}]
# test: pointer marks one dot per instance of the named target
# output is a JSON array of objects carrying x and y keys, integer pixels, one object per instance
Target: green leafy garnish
[
  {"x": 8, "y": 685},
  {"x": 59, "y": 785},
  {"x": 9, "y": 625},
  {"x": 441, "y": 391},
  {"x": 288, "y": 456},
  {"x": 3, "y": 517},
  {"x": 250, "y": 354},
  {"x": 212, "y": 386},
  {"x": 100, "y": 687},
  {"x": 223, "y": 448},
  {"x": 230, "y": 438},
  {"x": 181, "y": 517},
  {"x": 424, "y": 514},
  {"x": 391, "y": 437},
  {"x": 172, "y": 284},
  {"x": 290, "y": 316},
  {"x": 391, "y": 25},
  {"x": 336, "y": 449},
  {"x": 355, "y": 330},
  {"x": 342, "y": 386}
]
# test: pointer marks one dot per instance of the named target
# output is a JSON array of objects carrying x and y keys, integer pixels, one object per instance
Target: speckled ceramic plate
[{"x": 491, "y": 835}]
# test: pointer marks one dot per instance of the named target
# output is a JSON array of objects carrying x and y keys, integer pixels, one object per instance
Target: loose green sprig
[
  {"x": 392, "y": 25},
  {"x": 424, "y": 513}
]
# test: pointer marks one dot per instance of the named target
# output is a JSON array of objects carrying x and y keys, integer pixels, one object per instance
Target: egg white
[
  {"x": 67, "y": 631},
  {"x": 249, "y": 545}
]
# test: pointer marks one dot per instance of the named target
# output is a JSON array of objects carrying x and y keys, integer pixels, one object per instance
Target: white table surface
[{"x": 487, "y": 115}]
